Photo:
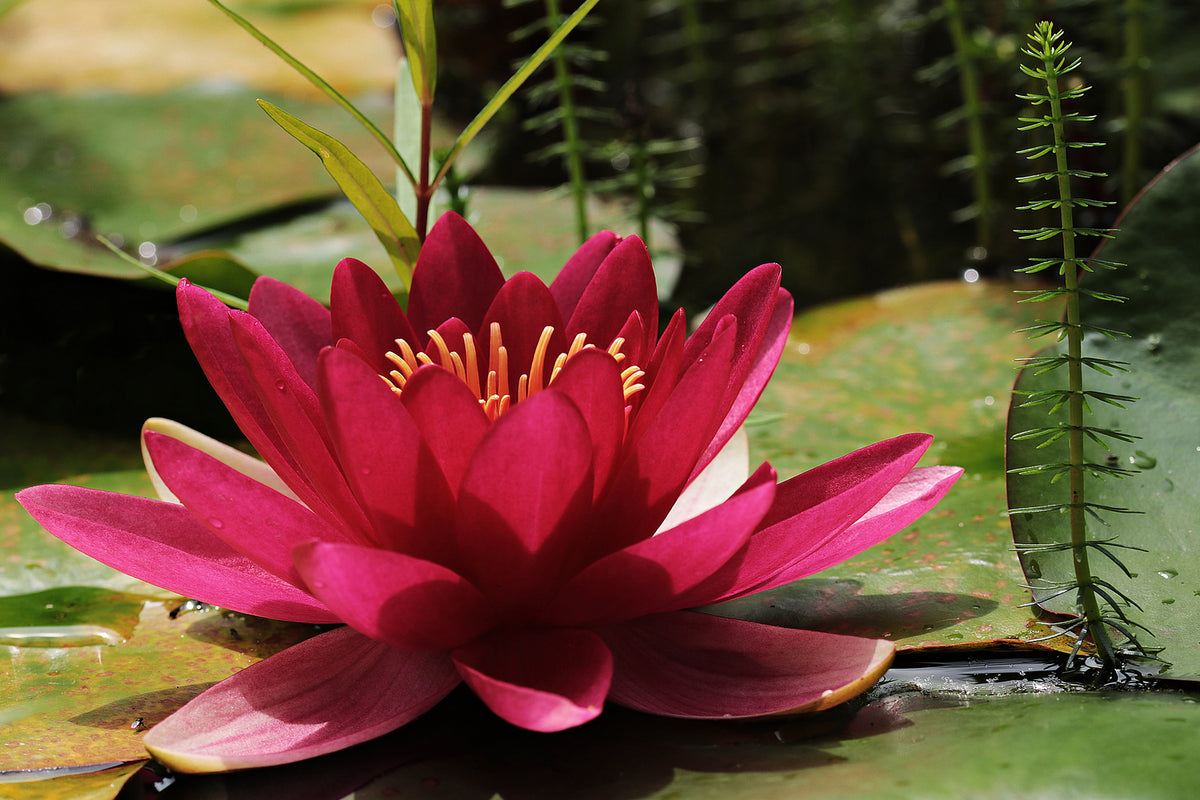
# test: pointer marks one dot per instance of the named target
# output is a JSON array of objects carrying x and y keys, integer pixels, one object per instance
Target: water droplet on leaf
[
  {"x": 1167, "y": 573},
  {"x": 1141, "y": 460}
]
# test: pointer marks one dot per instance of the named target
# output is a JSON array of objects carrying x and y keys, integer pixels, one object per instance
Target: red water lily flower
[{"x": 515, "y": 486}]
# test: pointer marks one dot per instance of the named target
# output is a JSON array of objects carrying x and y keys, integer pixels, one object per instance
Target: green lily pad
[
  {"x": 102, "y": 784},
  {"x": 900, "y": 743},
  {"x": 152, "y": 169},
  {"x": 937, "y": 358},
  {"x": 85, "y": 704},
  {"x": 1157, "y": 241}
]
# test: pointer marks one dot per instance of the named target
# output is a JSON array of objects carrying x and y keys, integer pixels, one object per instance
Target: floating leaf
[{"x": 936, "y": 358}]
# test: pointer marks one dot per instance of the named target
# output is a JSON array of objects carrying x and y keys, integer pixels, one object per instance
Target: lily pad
[
  {"x": 937, "y": 358},
  {"x": 102, "y": 784},
  {"x": 1158, "y": 244},
  {"x": 154, "y": 169},
  {"x": 898, "y": 743},
  {"x": 87, "y": 704}
]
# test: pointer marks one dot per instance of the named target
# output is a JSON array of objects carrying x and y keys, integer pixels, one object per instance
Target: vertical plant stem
[
  {"x": 573, "y": 157},
  {"x": 1075, "y": 409},
  {"x": 641, "y": 165},
  {"x": 423, "y": 189},
  {"x": 1134, "y": 88},
  {"x": 973, "y": 106}
]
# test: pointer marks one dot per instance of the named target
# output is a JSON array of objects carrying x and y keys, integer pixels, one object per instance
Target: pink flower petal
[
  {"x": 523, "y": 307},
  {"x": 295, "y": 413},
  {"x": 161, "y": 543},
  {"x": 244, "y": 463},
  {"x": 544, "y": 680},
  {"x": 649, "y": 576},
  {"x": 760, "y": 371},
  {"x": 366, "y": 313},
  {"x": 592, "y": 379},
  {"x": 395, "y": 598},
  {"x": 752, "y": 301},
  {"x": 206, "y": 323},
  {"x": 449, "y": 417},
  {"x": 688, "y": 664},
  {"x": 623, "y": 283},
  {"x": 324, "y": 694},
  {"x": 297, "y": 322},
  {"x": 523, "y": 501},
  {"x": 254, "y": 519},
  {"x": 573, "y": 278},
  {"x": 810, "y": 513},
  {"x": 918, "y": 492},
  {"x": 662, "y": 373},
  {"x": 656, "y": 466},
  {"x": 715, "y": 484},
  {"x": 389, "y": 466},
  {"x": 455, "y": 276}
]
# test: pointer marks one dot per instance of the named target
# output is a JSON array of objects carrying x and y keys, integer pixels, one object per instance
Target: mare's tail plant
[{"x": 1098, "y": 602}]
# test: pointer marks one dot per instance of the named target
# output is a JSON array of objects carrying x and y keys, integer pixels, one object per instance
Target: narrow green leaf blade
[
  {"x": 420, "y": 44},
  {"x": 319, "y": 82},
  {"x": 361, "y": 187}
]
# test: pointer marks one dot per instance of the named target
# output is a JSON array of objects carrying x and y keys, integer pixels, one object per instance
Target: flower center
[{"x": 493, "y": 387}]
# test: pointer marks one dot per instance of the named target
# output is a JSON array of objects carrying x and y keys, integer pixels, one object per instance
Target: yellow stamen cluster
[{"x": 494, "y": 390}]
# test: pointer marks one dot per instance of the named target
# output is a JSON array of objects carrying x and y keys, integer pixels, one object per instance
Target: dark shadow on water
[
  {"x": 837, "y": 606},
  {"x": 150, "y": 708},
  {"x": 461, "y": 750}
]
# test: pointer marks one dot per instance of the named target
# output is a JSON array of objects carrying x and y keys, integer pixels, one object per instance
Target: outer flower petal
[
  {"x": 395, "y": 598},
  {"x": 523, "y": 502},
  {"x": 810, "y": 512},
  {"x": 918, "y": 492},
  {"x": 662, "y": 373},
  {"x": 752, "y": 301},
  {"x": 244, "y": 463},
  {"x": 715, "y": 484},
  {"x": 297, "y": 322},
  {"x": 657, "y": 464},
  {"x": 689, "y": 664},
  {"x": 760, "y": 371},
  {"x": 206, "y": 323},
  {"x": 455, "y": 276},
  {"x": 573, "y": 278},
  {"x": 389, "y": 466},
  {"x": 544, "y": 680},
  {"x": 366, "y": 313},
  {"x": 623, "y": 283},
  {"x": 324, "y": 694},
  {"x": 649, "y": 576},
  {"x": 163, "y": 544},
  {"x": 253, "y": 519},
  {"x": 295, "y": 413}
]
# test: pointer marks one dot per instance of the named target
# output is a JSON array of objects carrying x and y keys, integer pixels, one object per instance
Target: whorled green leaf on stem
[{"x": 361, "y": 187}]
